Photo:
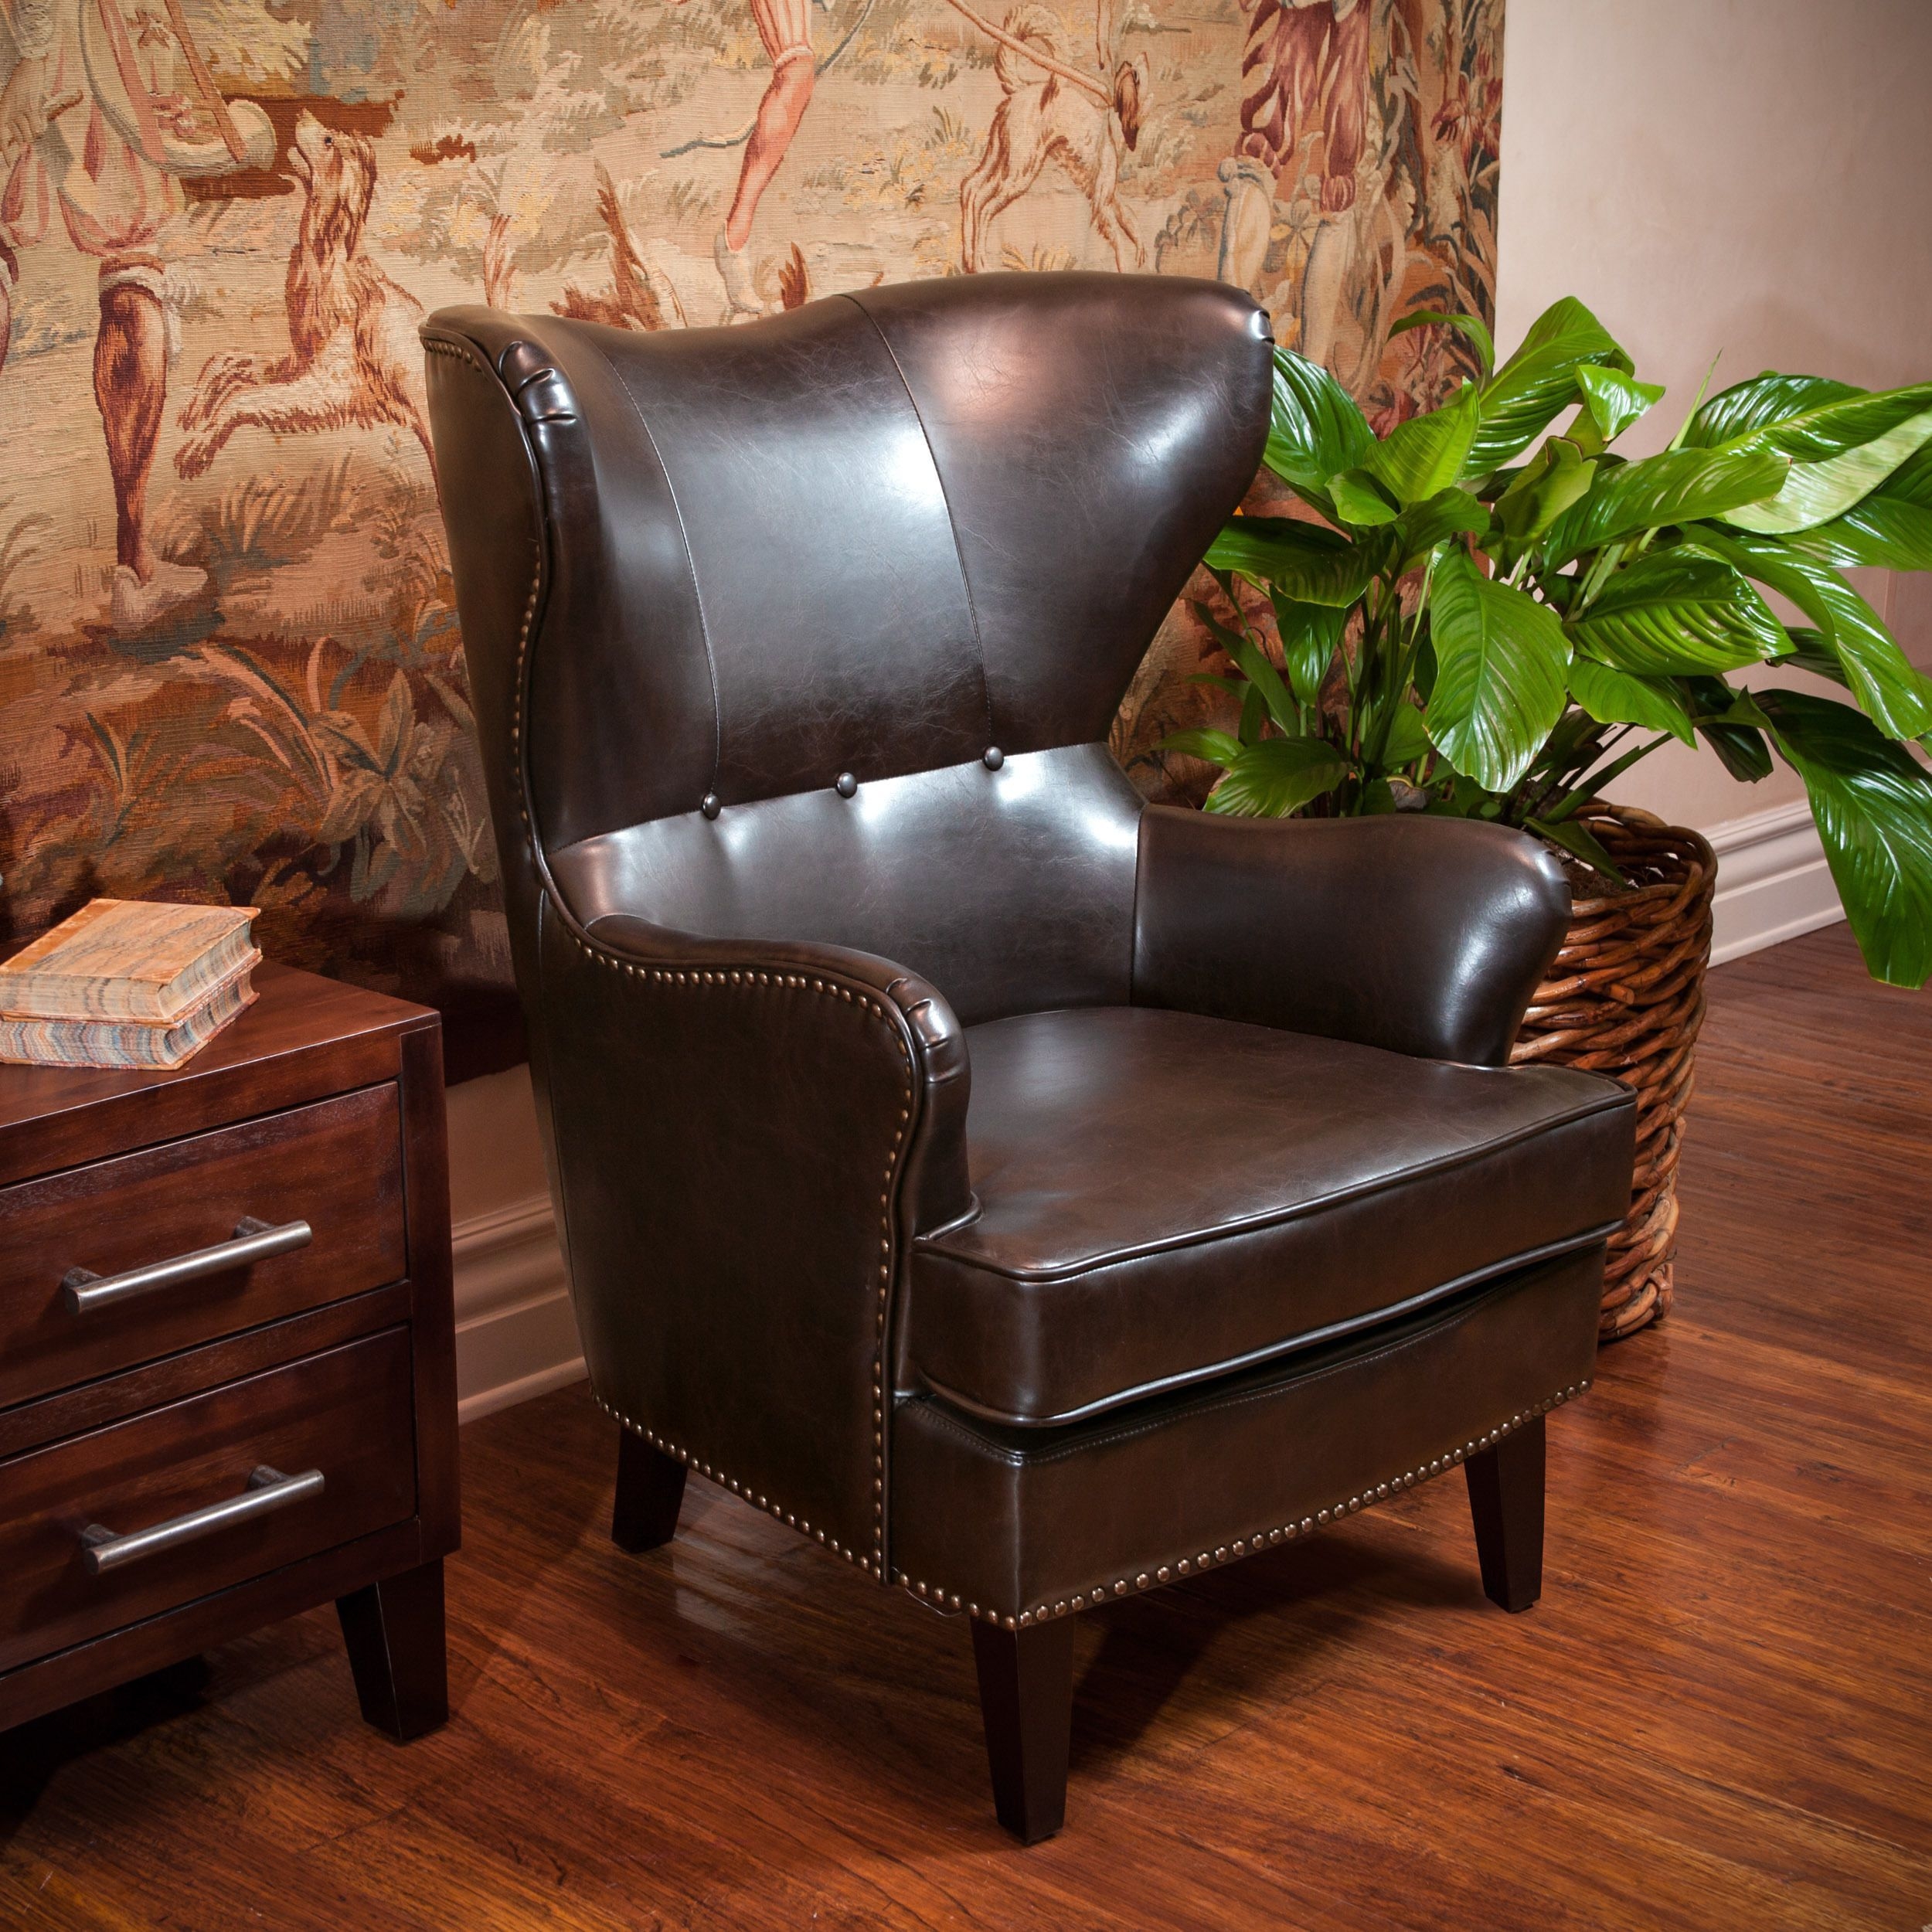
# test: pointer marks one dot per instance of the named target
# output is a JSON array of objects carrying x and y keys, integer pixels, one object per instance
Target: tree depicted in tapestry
[{"x": 227, "y": 639}]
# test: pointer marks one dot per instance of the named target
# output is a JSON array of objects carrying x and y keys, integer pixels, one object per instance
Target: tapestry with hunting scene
[{"x": 229, "y": 661}]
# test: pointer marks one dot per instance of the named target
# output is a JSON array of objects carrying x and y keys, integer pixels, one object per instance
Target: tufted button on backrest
[{"x": 900, "y": 532}]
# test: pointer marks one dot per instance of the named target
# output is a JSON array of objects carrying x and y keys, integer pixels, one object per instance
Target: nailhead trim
[
  {"x": 875, "y": 1564},
  {"x": 1242, "y": 1546}
]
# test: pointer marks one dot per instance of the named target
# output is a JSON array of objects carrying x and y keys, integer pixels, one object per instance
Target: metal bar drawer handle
[
  {"x": 254, "y": 1241},
  {"x": 268, "y": 1490}
]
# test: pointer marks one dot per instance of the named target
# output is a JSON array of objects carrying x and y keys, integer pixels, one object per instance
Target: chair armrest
[
  {"x": 1425, "y": 935},
  {"x": 747, "y": 1136}
]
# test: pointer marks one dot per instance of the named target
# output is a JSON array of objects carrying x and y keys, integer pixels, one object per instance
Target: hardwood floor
[{"x": 1717, "y": 1716}]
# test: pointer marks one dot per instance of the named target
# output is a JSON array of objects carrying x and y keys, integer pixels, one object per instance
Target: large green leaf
[
  {"x": 1891, "y": 528},
  {"x": 1555, "y": 477},
  {"x": 1315, "y": 429},
  {"x": 1277, "y": 776},
  {"x": 1674, "y": 615},
  {"x": 1408, "y": 737},
  {"x": 1881, "y": 531},
  {"x": 1579, "y": 842},
  {"x": 1766, "y": 399},
  {"x": 1680, "y": 486},
  {"x": 1615, "y": 399},
  {"x": 1814, "y": 492},
  {"x": 1211, "y": 747},
  {"x": 1820, "y": 420},
  {"x": 1471, "y": 326},
  {"x": 1500, "y": 662},
  {"x": 1359, "y": 499},
  {"x": 1525, "y": 395},
  {"x": 1731, "y": 724},
  {"x": 1450, "y": 512},
  {"x": 1302, "y": 560},
  {"x": 1310, "y": 634},
  {"x": 1896, "y": 697},
  {"x": 1425, "y": 455},
  {"x": 1843, "y": 442},
  {"x": 1873, "y": 805},
  {"x": 1612, "y": 696},
  {"x": 1262, "y": 675}
]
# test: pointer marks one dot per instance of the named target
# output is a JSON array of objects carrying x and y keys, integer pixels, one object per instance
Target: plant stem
[
  {"x": 1589, "y": 786},
  {"x": 1385, "y": 721}
]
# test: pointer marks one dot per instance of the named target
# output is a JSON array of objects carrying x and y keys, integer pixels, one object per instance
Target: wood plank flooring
[{"x": 1719, "y": 1716}]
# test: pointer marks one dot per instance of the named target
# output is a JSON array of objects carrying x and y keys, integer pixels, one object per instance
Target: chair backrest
[{"x": 814, "y": 628}]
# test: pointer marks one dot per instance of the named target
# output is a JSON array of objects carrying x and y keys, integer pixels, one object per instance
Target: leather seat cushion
[{"x": 1164, "y": 1197}]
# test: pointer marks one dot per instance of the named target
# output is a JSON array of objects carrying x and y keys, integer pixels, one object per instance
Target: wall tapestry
[{"x": 229, "y": 661}]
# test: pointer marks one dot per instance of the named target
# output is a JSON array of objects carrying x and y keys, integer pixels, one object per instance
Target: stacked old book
[{"x": 127, "y": 983}]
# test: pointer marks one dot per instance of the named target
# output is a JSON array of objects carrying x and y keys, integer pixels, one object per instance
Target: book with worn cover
[
  {"x": 127, "y": 960},
  {"x": 128, "y": 1044}
]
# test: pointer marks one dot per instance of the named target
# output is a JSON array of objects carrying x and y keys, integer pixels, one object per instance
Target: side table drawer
[
  {"x": 335, "y": 1165},
  {"x": 345, "y": 1415}
]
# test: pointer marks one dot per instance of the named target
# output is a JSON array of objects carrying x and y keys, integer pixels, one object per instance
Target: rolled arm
[
  {"x": 1424, "y": 935},
  {"x": 747, "y": 1136}
]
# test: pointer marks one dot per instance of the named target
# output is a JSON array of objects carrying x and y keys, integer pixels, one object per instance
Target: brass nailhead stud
[
  {"x": 847, "y": 784},
  {"x": 994, "y": 757},
  {"x": 710, "y": 807}
]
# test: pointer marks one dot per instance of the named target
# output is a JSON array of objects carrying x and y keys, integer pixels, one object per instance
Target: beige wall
[
  {"x": 1744, "y": 175},
  {"x": 495, "y": 1162}
]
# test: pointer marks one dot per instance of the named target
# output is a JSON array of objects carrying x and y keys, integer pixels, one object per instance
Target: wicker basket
[{"x": 1626, "y": 997}]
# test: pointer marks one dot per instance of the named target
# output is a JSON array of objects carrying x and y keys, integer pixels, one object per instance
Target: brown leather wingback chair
[{"x": 1031, "y": 1195}]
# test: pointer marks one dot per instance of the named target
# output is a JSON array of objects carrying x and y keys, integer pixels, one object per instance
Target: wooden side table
[{"x": 227, "y": 1353}]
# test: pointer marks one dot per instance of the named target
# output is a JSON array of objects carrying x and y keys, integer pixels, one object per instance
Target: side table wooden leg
[{"x": 394, "y": 1633}]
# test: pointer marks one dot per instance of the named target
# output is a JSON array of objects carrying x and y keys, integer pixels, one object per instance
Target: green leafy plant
[{"x": 1494, "y": 618}]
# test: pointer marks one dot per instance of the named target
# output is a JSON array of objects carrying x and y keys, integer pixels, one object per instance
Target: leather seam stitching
[
  {"x": 952, "y": 522},
  {"x": 1242, "y": 1546}
]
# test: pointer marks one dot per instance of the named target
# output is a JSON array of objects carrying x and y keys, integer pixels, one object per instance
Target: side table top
[{"x": 304, "y": 1036}]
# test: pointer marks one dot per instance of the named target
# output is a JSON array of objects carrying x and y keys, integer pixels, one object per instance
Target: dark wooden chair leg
[
  {"x": 650, "y": 1494},
  {"x": 1026, "y": 1700},
  {"x": 1506, "y": 1502},
  {"x": 394, "y": 1633}
]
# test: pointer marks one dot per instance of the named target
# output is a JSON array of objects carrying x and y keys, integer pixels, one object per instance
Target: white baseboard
[
  {"x": 1773, "y": 883},
  {"x": 515, "y": 1335}
]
